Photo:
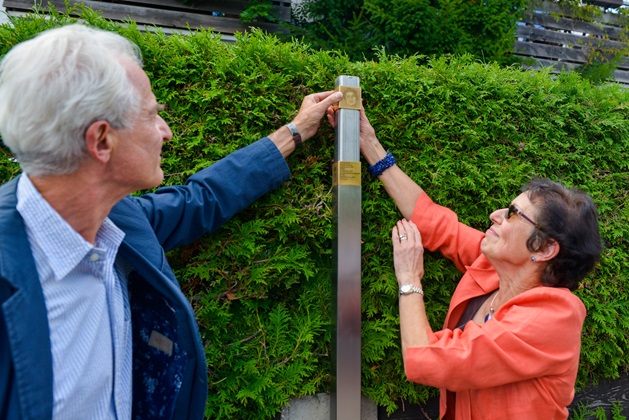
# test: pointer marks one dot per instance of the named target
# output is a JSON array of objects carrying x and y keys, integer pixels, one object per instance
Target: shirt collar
[{"x": 61, "y": 246}]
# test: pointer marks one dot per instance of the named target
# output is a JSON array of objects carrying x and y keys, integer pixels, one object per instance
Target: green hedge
[
  {"x": 471, "y": 134},
  {"x": 484, "y": 29}
]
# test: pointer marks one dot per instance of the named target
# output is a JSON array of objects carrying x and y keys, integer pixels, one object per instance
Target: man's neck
[{"x": 80, "y": 200}]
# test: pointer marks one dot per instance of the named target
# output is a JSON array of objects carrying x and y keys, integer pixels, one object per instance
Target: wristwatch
[
  {"x": 296, "y": 136},
  {"x": 407, "y": 289}
]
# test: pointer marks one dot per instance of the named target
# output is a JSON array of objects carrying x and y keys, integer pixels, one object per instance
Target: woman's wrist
[
  {"x": 372, "y": 150},
  {"x": 416, "y": 283},
  {"x": 382, "y": 165},
  {"x": 409, "y": 278},
  {"x": 409, "y": 289}
]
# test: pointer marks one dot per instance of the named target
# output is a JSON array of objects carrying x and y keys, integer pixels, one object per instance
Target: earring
[{"x": 533, "y": 258}]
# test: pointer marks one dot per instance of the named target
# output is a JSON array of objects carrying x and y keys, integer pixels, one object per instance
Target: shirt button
[{"x": 94, "y": 257}]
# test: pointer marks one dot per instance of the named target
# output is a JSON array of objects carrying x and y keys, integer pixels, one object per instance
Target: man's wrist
[{"x": 294, "y": 131}]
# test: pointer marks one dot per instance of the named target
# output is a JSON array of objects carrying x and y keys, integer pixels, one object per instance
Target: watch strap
[
  {"x": 407, "y": 289},
  {"x": 295, "y": 132}
]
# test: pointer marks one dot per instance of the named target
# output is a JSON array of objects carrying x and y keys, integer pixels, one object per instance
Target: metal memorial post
[{"x": 346, "y": 396}]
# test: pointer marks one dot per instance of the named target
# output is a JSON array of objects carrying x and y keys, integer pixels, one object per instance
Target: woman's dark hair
[{"x": 569, "y": 217}]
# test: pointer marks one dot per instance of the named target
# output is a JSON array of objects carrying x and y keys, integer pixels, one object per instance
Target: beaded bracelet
[{"x": 382, "y": 165}]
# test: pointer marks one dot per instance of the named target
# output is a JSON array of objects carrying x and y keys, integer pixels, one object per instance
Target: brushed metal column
[{"x": 345, "y": 402}]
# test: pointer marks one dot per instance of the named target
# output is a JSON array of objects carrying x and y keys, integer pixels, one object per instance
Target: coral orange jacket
[{"x": 522, "y": 363}]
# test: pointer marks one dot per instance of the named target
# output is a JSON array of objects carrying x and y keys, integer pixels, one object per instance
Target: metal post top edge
[{"x": 345, "y": 80}]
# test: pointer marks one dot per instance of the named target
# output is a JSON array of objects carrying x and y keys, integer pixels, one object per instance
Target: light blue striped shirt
[{"x": 88, "y": 311}]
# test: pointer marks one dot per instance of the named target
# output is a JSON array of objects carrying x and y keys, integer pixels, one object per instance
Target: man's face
[{"x": 138, "y": 149}]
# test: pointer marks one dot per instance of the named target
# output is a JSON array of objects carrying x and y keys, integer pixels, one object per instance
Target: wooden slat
[
  {"x": 608, "y": 4},
  {"x": 621, "y": 76},
  {"x": 158, "y": 17},
  {"x": 552, "y": 52},
  {"x": 556, "y": 66},
  {"x": 20, "y": 5},
  {"x": 559, "y": 66},
  {"x": 549, "y": 51},
  {"x": 534, "y": 34},
  {"x": 554, "y": 8},
  {"x": 575, "y": 25},
  {"x": 231, "y": 7}
]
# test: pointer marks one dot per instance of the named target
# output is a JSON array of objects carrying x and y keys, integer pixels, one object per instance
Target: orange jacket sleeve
[
  {"x": 535, "y": 334},
  {"x": 441, "y": 231}
]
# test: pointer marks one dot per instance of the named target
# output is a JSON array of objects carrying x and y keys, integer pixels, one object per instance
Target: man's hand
[
  {"x": 312, "y": 110},
  {"x": 307, "y": 121}
]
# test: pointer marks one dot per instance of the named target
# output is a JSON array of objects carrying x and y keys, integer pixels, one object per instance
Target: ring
[{"x": 403, "y": 237}]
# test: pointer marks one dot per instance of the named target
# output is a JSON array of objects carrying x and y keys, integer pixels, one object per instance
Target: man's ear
[{"x": 99, "y": 141}]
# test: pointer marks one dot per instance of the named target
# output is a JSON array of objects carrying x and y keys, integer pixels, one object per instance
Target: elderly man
[{"x": 93, "y": 323}]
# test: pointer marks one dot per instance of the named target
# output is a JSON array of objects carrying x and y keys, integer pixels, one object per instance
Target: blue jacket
[{"x": 153, "y": 223}]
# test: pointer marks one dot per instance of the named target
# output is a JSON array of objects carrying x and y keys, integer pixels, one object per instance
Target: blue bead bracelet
[{"x": 382, "y": 165}]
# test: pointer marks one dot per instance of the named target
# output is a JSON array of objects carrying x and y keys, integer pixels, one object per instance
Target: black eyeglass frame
[{"x": 511, "y": 210}]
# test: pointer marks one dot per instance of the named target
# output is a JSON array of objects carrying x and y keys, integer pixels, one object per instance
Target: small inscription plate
[{"x": 346, "y": 173}]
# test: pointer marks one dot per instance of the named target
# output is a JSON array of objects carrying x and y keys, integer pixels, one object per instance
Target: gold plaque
[
  {"x": 351, "y": 97},
  {"x": 346, "y": 173}
]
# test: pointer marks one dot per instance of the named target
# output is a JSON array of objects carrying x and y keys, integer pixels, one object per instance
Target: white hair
[{"x": 54, "y": 86}]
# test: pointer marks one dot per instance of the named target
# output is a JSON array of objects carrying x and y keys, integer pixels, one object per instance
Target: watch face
[{"x": 406, "y": 288}]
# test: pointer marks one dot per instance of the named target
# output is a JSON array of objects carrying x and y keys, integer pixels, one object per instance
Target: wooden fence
[
  {"x": 553, "y": 36},
  {"x": 169, "y": 15},
  {"x": 549, "y": 35}
]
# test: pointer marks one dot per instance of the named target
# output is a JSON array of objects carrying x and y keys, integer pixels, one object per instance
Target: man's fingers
[
  {"x": 321, "y": 96},
  {"x": 326, "y": 101}
]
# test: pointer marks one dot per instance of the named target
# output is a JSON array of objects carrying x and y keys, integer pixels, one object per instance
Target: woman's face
[{"x": 505, "y": 240}]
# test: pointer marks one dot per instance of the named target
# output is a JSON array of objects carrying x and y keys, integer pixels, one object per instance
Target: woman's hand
[
  {"x": 408, "y": 253},
  {"x": 399, "y": 186},
  {"x": 370, "y": 147},
  {"x": 367, "y": 132},
  {"x": 408, "y": 259}
]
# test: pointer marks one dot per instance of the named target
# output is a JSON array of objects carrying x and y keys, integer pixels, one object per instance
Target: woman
[{"x": 510, "y": 345}]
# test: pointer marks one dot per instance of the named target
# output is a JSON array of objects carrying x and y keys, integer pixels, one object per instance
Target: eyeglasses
[{"x": 513, "y": 210}]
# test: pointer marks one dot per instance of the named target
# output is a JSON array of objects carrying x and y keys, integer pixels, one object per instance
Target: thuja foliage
[
  {"x": 259, "y": 10},
  {"x": 484, "y": 29},
  {"x": 470, "y": 133}
]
